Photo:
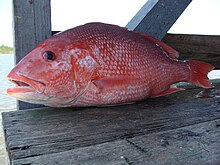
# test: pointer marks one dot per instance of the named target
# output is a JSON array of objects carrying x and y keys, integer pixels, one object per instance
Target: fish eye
[{"x": 49, "y": 56}]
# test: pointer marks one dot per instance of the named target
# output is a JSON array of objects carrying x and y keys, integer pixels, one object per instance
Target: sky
[{"x": 201, "y": 16}]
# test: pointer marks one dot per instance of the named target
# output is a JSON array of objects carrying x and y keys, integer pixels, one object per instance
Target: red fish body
[{"x": 101, "y": 64}]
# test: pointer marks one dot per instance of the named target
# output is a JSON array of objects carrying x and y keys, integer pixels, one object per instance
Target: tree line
[{"x": 6, "y": 49}]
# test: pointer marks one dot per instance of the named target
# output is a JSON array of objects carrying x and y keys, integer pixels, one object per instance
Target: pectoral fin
[{"x": 117, "y": 82}]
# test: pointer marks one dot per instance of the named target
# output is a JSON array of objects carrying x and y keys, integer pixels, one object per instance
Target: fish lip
[{"x": 24, "y": 84}]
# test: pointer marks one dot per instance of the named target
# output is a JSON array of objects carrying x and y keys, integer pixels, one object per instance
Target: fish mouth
[{"x": 24, "y": 84}]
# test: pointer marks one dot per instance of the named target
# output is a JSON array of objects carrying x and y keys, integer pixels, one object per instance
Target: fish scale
[
  {"x": 138, "y": 65},
  {"x": 99, "y": 64}
]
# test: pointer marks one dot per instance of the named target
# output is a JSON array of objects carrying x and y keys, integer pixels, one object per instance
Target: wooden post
[
  {"x": 32, "y": 24},
  {"x": 157, "y": 16}
]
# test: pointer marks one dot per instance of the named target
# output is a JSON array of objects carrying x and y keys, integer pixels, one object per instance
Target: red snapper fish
[{"x": 100, "y": 64}]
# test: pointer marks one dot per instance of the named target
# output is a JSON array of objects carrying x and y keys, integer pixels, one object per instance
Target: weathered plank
[
  {"x": 196, "y": 47},
  {"x": 196, "y": 144},
  {"x": 157, "y": 16},
  {"x": 39, "y": 132},
  {"x": 32, "y": 24}
]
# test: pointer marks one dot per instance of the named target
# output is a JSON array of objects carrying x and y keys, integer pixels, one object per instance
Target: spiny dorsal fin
[{"x": 170, "y": 51}]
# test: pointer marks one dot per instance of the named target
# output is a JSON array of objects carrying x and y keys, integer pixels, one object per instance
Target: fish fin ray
[
  {"x": 198, "y": 73},
  {"x": 170, "y": 51},
  {"x": 172, "y": 89},
  {"x": 119, "y": 104},
  {"x": 112, "y": 82}
]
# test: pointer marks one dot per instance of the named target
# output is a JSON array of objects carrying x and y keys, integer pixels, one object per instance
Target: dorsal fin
[{"x": 170, "y": 51}]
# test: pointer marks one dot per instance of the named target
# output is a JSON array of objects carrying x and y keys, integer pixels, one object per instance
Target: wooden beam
[
  {"x": 32, "y": 24},
  {"x": 195, "y": 144},
  {"x": 89, "y": 134},
  {"x": 196, "y": 47},
  {"x": 157, "y": 16}
]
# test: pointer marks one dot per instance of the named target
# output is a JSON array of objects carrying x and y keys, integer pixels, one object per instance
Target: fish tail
[{"x": 198, "y": 73}]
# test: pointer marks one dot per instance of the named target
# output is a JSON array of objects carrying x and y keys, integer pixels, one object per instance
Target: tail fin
[{"x": 198, "y": 73}]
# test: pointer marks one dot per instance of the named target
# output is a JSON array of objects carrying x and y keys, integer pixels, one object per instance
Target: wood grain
[
  {"x": 40, "y": 133},
  {"x": 32, "y": 24},
  {"x": 156, "y": 17},
  {"x": 196, "y": 47},
  {"x": 196, "y": 144}
]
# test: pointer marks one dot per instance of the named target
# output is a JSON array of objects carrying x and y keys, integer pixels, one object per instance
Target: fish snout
[{"x": 24, "y": 84}]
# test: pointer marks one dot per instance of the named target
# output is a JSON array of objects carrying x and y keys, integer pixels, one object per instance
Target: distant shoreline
[{"x": 6, "y": 50}]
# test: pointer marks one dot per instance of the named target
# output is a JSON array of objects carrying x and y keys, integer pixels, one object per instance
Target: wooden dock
[{"x": 174, "y": 129}]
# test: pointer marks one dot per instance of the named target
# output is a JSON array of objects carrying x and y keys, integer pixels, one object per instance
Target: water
[
  {"x": 6, "y": 64},
  {"x": 7, "y": 103}
]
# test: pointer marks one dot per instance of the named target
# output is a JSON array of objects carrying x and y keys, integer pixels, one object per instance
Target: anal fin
[{"x": 168, "y": 91}]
